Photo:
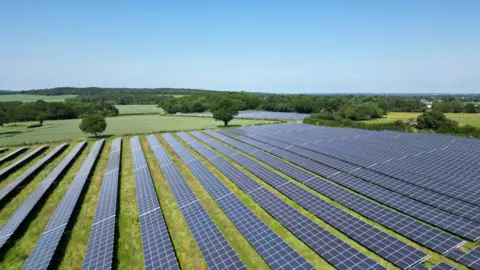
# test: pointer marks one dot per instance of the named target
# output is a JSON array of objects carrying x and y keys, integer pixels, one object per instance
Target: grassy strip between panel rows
[
  {"x": 15, "y": 256},
  {"x": 434, "y": 257}
]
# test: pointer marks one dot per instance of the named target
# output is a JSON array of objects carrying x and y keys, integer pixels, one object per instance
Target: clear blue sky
[{"x": 271, "y": 46}]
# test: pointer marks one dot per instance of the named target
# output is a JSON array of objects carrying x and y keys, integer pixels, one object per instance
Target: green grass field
[
  {"x": 472, "y": 119},
  {"x": 139, "y": 109},
  {"x": 26, "y": 98},
  {"x": 58, "y": 130}
]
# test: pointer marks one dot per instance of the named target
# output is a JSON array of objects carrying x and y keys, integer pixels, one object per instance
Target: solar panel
[
  {"x": 18, "y": 217},
  {"x": 334, "y": 250},
  {"x": 157, "y": 247},
  {"x": 17, "y": 164},
  {"x": 268, "y": 244},
  {"x": 443, "y": 266},
  {"x": 471, "y": 258},
  {"x": 3, "y": 149},
  {"x": 45, "y": 247},
  {"x": 99, "y": 254},
  {"x": 215, "y": 248},
  {"x": 7, "y": 191},
  {"x": 13, "y": 154},
  {"x": 417, "y": 231},
  {"x": 435, "y": 216}
]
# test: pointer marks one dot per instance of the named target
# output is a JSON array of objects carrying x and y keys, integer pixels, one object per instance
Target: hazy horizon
[{"x": 273, "y": 46}]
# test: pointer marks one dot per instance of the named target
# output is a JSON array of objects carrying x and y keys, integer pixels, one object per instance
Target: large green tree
[
  {"x": 436, "y": 120},
  {"x": 225, "y": 110},
  {"x": 93, "y": 124}
]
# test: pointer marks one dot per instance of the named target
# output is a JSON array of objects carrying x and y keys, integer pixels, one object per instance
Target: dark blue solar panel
[{"x": 99, "y": 254}]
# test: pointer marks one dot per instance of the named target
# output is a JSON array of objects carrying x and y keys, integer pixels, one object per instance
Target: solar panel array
[
  {"x": 258, "y": 115},
  {"x": 13, "y": 154},
  {"x": 45, "y": 247},
  {"x": 8, "y": 170},
  {"x": 337, "y": 170},
  {"x": 471, "y": 258},
  {"x": 30, "y": 172},
  {"x": 157, "y": 247},
  {"x": 419, "y": 232},
  {"x": 331, "y": 248},
  {"x": 338, "y": 153},
  {"x": 347, "y": 151},
  {"x": 270, "y": 246},
  {"x": 374, "y": 239},
  {"x": 215, "y": 248},
  {"x": 99, "y": 254},
  {"x": 19, "y": 216}
]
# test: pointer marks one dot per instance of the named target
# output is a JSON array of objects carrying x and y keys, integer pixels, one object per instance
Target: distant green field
[
  {"x": 472, "y": 119},
  {"x": 26, "y": 98},
  {"x": 18, "y": 133},
  {"x": 139, "y": 109}
]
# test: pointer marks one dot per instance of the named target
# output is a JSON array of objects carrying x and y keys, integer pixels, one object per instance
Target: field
[
  {"x": 313, "y": 203},
  {"x": 472, "y": 119},
  {"x": 139, "y": 109},
  {"x": 26, "y": 98},
  {"x": 57, "y": 130}
]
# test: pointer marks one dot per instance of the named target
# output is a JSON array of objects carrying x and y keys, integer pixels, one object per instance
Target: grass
[
  {"x": 472, "y": 119},
  {"x": 60, "y": 130},
  {"x": 139, "y": 109},
  {"x": 27, "y": 98}
]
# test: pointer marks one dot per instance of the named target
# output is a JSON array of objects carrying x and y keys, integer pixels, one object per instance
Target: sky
[{"x": 395, "y": 46}]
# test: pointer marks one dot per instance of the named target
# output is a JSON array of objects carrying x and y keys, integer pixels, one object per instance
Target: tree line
[
  {"x": 91, "y": 91},
  {"x": 432, "y": 120},
  {"x": 351, "y": 107},
  {"x": 41, "y": 110}
]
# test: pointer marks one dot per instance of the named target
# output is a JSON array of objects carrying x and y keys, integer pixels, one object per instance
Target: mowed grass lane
[
  {"x": 472, "y": 119},
  {"x": 139, "y": 109},
  {"x": 28, "y": 98},
  {"x": 58, "y": 130}
]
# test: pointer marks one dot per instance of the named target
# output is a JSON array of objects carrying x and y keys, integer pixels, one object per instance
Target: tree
[
  {"x": 93, "y": 124},
  {"x": 436, "y": 120},
  {"x": 225, "y": 110},
  {"x": 42, "y": 117},
  {"x": 470, "y": 108}
]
